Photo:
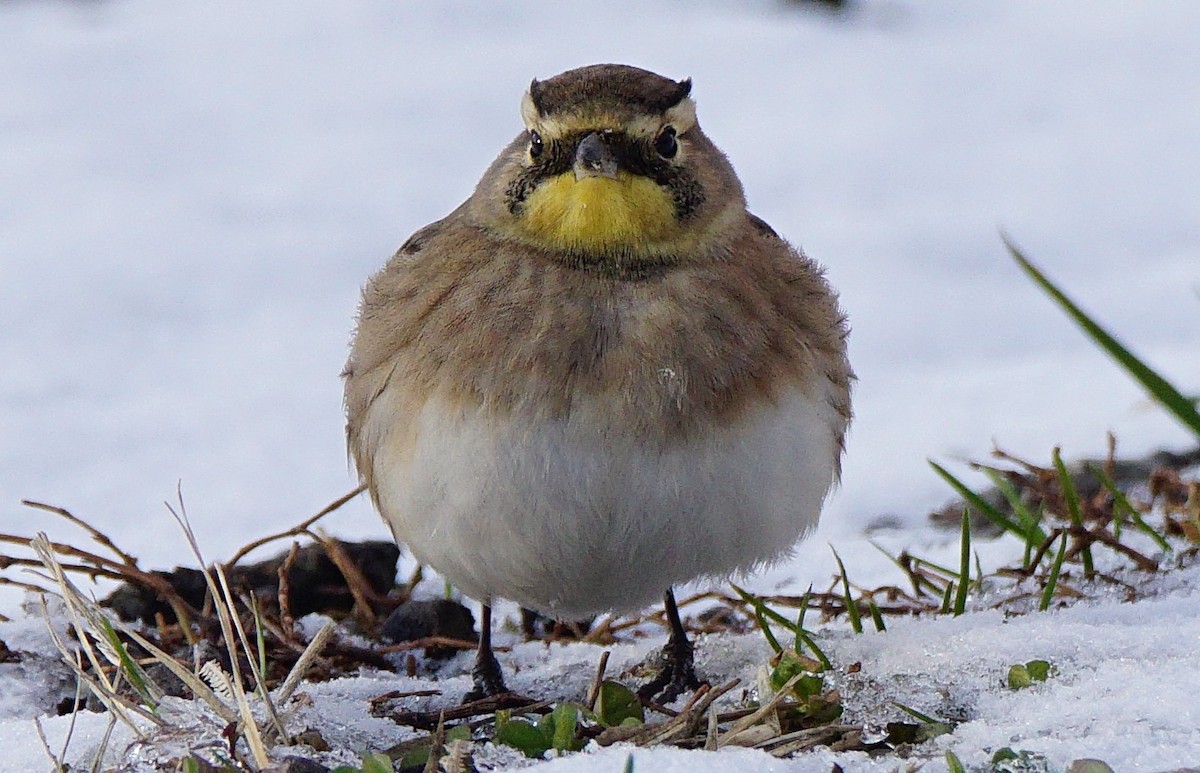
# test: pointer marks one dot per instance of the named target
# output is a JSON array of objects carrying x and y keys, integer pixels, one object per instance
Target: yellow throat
[{"x": 600, "y": 214}]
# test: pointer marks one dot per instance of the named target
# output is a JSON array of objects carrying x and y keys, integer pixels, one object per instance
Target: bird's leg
[
  {"x": 489, "y": 681},
  {"x": 679, "y": 672}
]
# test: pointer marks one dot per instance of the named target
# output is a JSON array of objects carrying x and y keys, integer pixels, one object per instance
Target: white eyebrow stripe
[{"x": 682, "y": 116}]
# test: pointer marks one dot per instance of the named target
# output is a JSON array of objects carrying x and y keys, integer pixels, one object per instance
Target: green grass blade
[
  {"x": 802, "y": 635},
  {"x": 945, "y": 570},
  {"x": 876, "y": 615},
  {"x": 762, "y": 613},
  {"x": 133, "y": 672},
  {"x": 803, "y": 608},
  {"x": 980, "y": 504},
  {"x": 917, "y": 715},
  {"x": 260, "y": 638},
  {"x": 1123, "y": 504},
  {"x": 1030, "y": 521},
  {"x": 805, "y": 638},
  {"x": 765, "y": 627},
  {"x": 758, "y": 604},
  {"x": 1159, "y": 388},
  {"x": 917, "y": 580},
  {"x": 851, "y": 607},
  {"x": 1055, "y": 570},
  {"x": 1071, "y": 497},
  {"x": 964, "y": 566}
]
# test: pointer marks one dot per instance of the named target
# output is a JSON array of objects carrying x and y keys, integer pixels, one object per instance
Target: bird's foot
[
  {"x": 678, "y": 675},
  {"x": 489, "y": 680}
]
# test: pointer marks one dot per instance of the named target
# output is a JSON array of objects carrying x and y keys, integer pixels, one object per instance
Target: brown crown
[{"x": 608, "y": 85}]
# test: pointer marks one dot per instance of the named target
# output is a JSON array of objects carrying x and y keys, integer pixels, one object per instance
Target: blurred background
[{"x": 191, "y": 196}]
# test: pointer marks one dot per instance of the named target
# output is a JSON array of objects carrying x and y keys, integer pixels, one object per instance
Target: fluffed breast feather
[{"x": 495, "y": 324}]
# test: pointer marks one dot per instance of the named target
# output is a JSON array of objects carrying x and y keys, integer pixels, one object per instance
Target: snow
[
  {"x": 1122, "y": 689},
  {"x": 196, "y": 193}
]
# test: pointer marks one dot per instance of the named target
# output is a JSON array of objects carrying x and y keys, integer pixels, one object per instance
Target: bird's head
[{"x": 612, "y": 163}]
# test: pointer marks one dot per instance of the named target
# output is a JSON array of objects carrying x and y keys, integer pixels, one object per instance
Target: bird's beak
[{"x": 593, "y": 158}]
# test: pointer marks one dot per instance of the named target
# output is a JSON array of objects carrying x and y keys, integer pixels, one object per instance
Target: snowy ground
[
  {"x": 194, "y": 194},
  {"x": 1122, "y": 691}
]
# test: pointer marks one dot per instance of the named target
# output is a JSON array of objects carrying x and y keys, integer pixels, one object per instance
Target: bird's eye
[
  {"x": 665, "y": 143},
  {"x": 535, "y": 145}
]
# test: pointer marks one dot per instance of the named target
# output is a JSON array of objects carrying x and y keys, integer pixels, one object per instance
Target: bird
[{"x": 600, "y": 376}]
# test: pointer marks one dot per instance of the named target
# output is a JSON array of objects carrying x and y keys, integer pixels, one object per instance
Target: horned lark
[{"x": 600, "y": 376}]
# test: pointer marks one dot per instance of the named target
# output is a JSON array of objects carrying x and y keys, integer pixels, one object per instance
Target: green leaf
[
  {"x": 907, "y": 732},
  {"x": 523, "y": 736},
  {"x": 616, "y": 704},
  {"x": 1019, "y": 677},
  {"x": 1089, "y": 766},
  {"x": 954, "y": 763},
  {"x": 1008, "y": 761},
  {"x": 1159, "y": 388},
  {"x": 414, "y": 754},
  {"x": 564, "y": 722},
  {"x": 789, "y": 665},
  {"x": 1039, "y": 670},
  {"x": 376, "y": 763}
]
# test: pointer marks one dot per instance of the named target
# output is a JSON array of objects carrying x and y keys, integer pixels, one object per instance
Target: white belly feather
[{"x": 574, "y": 517}]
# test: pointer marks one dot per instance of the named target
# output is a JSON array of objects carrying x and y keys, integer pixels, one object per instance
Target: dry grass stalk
[
  {"x": 437, "y": 747},
  {"x": 767, "y": 709},
  {"x": 97, "y": 645},
  {"x": 226, "y": 614},
  {"x": 85, "y": 618},
  {"x": 314, "y": 648},
  {"x": 593, "y": 693}
]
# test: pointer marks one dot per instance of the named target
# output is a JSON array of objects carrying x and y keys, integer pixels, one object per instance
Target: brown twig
[
  {"x": 127, "y": 572},
  {"x": 427, "y": 720},
  {"x": 23, "y": 586},
  {"x": 301, "y": 528},
  {"x": 286, "y": 621},
  {"x": 360, "y": 589},
  {"x": 437, "y": 641},
  {"x": 95, "y": 533},
  {"x": 393, "y": 695},
  {"x": 1143, "y": 562},
  {"x": 84, "y": 569},
  {"x": 593, "y": 693}
]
